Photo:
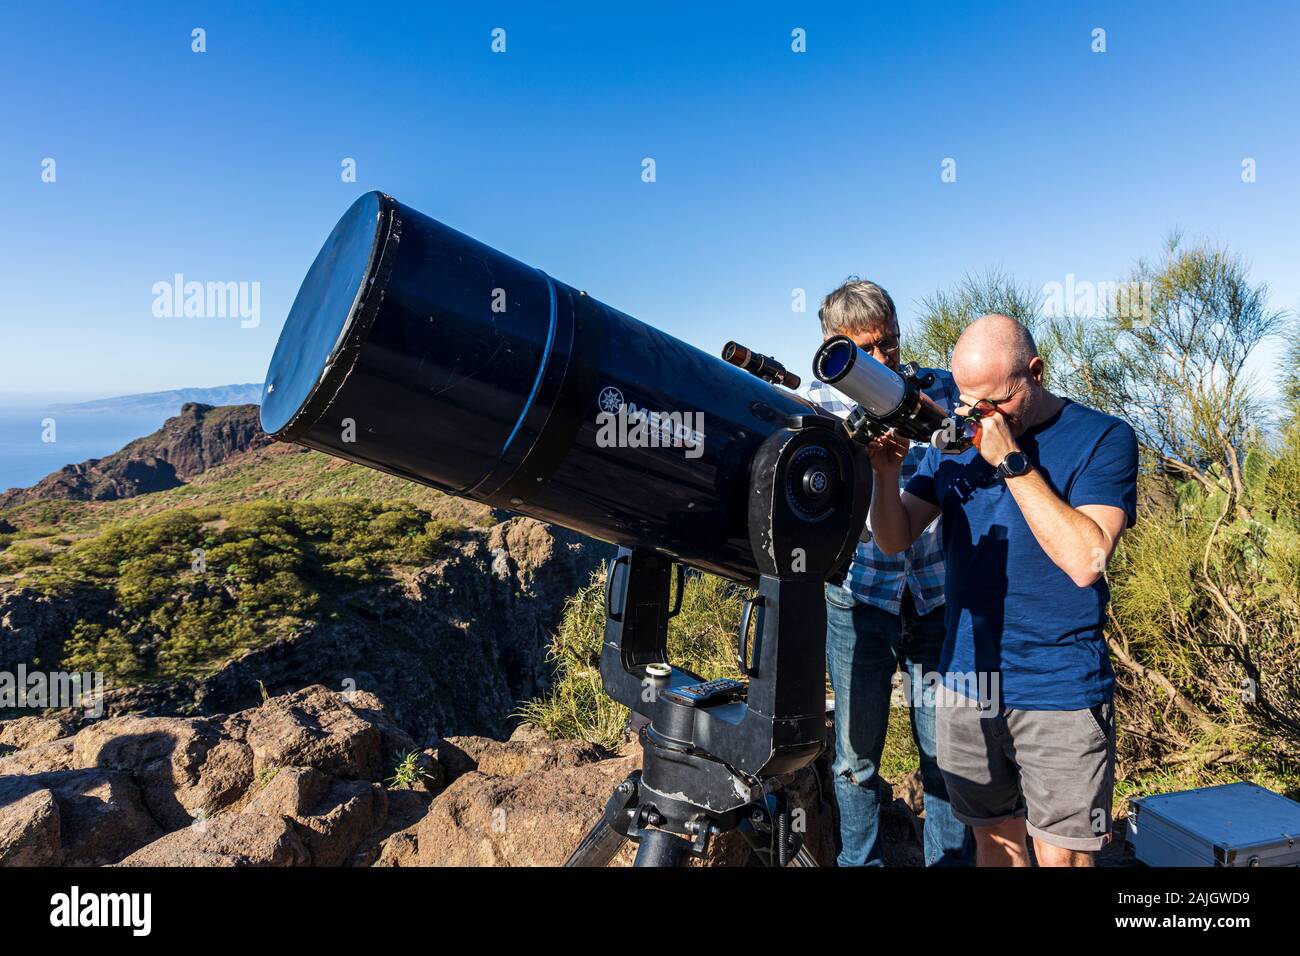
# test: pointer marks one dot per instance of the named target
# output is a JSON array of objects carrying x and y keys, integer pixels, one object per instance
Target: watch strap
[{"x": 1006, "y": 472}]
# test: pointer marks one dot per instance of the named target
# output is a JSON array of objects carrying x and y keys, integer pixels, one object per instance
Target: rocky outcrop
[
  {"x": 525, "y": 752},
  {"x": 83, "y": 817},
  {"x": 452, "y": 649},
  {"x": 296, "y": 781},
  {"x": 182, "y": 766},
  {"x": 300, "y": 817},
  {"x": 28, "y": 731},
  {"x": 307, "y": 779},
  {"x": 228, "y": 841},
  {"x": 188, "y": 444},
  {"x": 99, "y": 479},
  {"x": 29, "y": 827},
  {"x": 530, "y": 819},
  {"x": 313, "y": 728}
]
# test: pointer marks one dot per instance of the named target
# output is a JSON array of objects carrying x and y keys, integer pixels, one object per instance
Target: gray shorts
[{"x": 1056, "y": 768}]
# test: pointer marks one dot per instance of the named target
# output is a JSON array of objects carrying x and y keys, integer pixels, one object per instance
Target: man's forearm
[
  {"x": 1074, "y": 542},
  {"x": 890, "y": 525}
]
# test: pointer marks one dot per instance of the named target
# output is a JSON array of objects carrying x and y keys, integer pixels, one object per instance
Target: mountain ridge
[
  {"x": 167, "y": 401},
  {"x": 186, "y": 445}
]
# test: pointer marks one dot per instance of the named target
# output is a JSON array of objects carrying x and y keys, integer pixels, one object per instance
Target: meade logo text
[{"x": 624, "y": 425}]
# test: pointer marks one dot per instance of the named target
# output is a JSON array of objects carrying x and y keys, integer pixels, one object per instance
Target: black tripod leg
[
  {"x": 661, "y": 848},
  {"x": 598, "y": 847}
]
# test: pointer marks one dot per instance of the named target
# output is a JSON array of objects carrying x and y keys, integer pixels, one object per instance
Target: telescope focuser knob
[
  {"x": 862, "y": 426},
  {"x": 913, "y": 371}
]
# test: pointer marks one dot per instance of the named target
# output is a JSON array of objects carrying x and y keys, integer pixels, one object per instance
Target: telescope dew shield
[
  {"x": 416, "y": 350},
  {"x": 877, "y": 388}
]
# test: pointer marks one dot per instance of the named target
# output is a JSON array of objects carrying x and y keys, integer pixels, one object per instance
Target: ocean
[{"x": 25, "y": 457}]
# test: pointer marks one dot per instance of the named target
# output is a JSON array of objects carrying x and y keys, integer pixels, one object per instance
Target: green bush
[
  {"x": 1206, "y": 595},
  {"x": 187, "y": 589},
  {"x": 19, "y": 557}
]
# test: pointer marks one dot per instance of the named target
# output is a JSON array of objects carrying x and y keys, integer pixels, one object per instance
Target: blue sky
[{"x": 775, "y": 170}]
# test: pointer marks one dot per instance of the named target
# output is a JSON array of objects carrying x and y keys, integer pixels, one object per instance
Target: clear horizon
[{"x": 20, "y": 398}]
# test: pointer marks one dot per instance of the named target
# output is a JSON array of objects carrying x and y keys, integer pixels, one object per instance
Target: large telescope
[{"x": 416, "y": 350}]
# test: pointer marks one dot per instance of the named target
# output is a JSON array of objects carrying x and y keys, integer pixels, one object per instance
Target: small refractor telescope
[{"x": 889, "y": 400}]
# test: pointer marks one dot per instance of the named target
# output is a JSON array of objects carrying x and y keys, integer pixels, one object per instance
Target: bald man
[{"x": 1031, "y": 516}]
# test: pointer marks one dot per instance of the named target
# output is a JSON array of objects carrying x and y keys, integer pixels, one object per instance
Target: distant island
[{"x": 169, "y": 402}]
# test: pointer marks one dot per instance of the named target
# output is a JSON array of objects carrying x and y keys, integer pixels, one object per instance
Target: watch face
[{"x": 1015, "y": 464}]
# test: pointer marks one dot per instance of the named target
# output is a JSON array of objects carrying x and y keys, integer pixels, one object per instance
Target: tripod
[
  {"x": 768, "y": 834},
  {"x": 715, "y": 754}
]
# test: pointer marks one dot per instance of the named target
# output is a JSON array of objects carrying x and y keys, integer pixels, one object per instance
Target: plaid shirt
[{"x": 877, "y": 578}]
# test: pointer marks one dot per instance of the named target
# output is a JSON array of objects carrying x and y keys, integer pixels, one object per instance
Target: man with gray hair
[
  {"x": 1031, "y": 516},
  {"x": 888, "y": 612}
]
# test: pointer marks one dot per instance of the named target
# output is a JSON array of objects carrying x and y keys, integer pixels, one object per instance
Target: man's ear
[{"x": 1036, "y": 368}]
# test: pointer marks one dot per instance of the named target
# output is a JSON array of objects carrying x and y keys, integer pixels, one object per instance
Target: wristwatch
[{"x": 1014, "y": 465}]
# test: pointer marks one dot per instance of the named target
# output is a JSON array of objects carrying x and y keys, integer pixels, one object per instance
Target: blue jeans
[{"x": 864, "y": 646}]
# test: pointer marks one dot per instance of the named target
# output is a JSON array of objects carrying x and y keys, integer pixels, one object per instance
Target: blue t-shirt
[{"x": 1011, "y": 612}]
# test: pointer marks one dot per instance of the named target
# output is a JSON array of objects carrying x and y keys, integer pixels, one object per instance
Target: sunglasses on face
[{"x": 887, "y": 345}]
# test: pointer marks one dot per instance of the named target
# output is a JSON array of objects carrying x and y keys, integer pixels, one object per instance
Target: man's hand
[
  {"x": 887, "y": 453},
  {"x": 994, "y": 439},
  {"x": 896, "y": 519},
  {"x": 1079, "y": 540}
]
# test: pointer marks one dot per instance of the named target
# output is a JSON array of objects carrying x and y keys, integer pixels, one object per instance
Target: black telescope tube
[{"x": 416, "y": 350}]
